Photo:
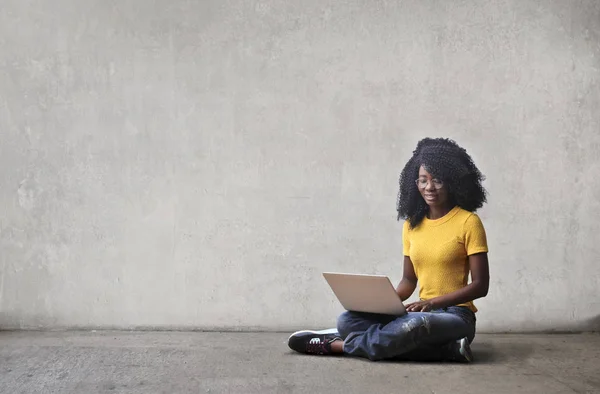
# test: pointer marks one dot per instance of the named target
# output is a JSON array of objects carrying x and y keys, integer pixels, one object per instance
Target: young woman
[{"x": 443, "y": 241}]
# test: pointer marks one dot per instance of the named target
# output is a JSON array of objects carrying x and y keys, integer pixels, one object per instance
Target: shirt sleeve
[
  {"x": 475, "y": 237},
  {"x": 405, "y": 240}
]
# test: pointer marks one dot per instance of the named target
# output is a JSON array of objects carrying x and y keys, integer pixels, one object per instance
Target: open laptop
[{"x": 365, "y": 293}]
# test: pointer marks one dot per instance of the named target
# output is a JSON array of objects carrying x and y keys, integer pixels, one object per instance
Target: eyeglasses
[{"x": 422, "y": 183}]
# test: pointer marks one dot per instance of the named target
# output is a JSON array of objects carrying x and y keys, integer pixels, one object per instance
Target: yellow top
[{"x": 439, "y": 251}]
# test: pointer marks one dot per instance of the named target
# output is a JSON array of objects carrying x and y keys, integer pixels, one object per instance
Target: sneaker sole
[
  {"x": 465, "y": 350},
  {"x": 321, "y": 332}
]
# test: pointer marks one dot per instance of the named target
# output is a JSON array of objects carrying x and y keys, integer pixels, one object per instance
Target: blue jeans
[{"x": 417, "y": 336}]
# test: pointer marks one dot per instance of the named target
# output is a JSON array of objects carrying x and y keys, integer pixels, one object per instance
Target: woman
[{"x": 443, "y": 241}]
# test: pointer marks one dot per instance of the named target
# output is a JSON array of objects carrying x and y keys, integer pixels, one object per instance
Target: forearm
[
  {"x": 405, "y": 289},
  {"x": 468, "y": 293}
]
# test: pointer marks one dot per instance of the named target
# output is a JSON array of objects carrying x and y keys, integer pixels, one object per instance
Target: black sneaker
[
  {"x": 462, "y": 351},
  {"x": 312, "y": 342}
]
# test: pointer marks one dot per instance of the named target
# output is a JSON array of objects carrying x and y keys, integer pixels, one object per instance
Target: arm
[
  {"x": 480, "y": 280},
  {"x": 408, "y": 284}
]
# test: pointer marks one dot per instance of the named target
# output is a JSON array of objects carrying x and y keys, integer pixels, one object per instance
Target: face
[{"x": 434, "y": 192}]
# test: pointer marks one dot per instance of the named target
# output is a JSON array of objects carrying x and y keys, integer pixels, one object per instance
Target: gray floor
[{"x": 177, "y": 362}]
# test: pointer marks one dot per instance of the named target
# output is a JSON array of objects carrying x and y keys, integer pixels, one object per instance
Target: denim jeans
[{"x": 417, "y": 336}]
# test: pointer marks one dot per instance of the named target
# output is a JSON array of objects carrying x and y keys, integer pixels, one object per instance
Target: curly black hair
[{"x": 444, "y": 159}]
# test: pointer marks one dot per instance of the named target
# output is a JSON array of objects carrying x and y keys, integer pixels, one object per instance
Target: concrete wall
[{"x": 198, "y": 164}]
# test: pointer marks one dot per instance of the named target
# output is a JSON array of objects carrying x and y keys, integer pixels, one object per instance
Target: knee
[
  {"x": 416, "y": 325},
  {"x": 344, "y": 324}
]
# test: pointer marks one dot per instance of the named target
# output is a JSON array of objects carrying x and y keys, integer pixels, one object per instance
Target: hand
[{"x": 420, "y": 306}]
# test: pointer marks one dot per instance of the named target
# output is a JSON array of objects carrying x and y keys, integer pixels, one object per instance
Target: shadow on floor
[{"x": 486, "y": 353}]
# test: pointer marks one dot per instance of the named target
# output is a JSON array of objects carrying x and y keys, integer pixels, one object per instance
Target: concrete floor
[{"x": 184, "y": 362}]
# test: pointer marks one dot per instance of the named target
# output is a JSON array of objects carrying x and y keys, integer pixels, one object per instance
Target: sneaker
[
  {"x": 463, "y": 351},
  {"x": 312, "y": 342}
]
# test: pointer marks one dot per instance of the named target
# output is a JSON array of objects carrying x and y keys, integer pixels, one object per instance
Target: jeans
[{"x": 417, "y": 336}]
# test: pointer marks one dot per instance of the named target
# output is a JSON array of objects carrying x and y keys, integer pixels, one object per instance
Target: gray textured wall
[{"x": 198, "y": 164}]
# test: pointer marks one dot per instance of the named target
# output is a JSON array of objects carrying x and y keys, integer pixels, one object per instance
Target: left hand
[{"x": 420, "y": 306}]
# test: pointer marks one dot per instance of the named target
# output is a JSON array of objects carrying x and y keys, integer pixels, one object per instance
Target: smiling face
[{"x": 433, "y": 190}]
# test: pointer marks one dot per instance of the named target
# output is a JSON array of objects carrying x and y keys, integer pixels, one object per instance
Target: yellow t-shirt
[{"x": 439, "y": 251}]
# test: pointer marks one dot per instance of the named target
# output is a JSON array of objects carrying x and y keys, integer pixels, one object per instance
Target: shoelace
[{"x": 316, "y": 345}]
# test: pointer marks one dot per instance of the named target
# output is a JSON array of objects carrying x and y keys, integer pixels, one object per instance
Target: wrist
[{"x": 436, "y": 303}]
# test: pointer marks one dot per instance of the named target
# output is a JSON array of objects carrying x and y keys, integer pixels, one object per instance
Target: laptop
[{"x": 365, "y": 293}]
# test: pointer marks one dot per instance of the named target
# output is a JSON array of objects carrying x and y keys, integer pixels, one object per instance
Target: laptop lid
[{"x": 365, "y": 293}]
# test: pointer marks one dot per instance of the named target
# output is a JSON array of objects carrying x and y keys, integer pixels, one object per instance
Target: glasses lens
[{"x": 422, "y": 183}]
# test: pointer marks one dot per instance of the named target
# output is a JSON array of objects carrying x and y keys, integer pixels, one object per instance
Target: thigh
[
  {"x": 349, "y": 322},
  {"x": 439, "y": 327}
]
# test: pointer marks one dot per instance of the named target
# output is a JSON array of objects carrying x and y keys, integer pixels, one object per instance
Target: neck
[{"x": 438, "y": 212}]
